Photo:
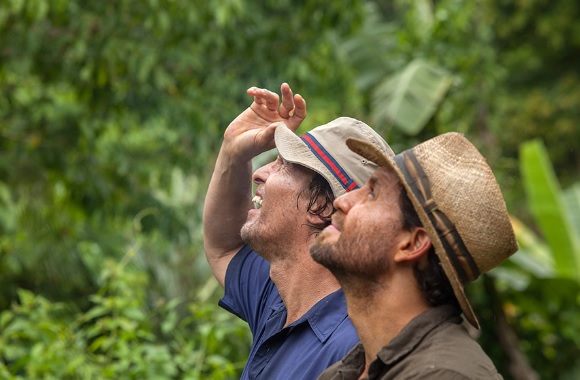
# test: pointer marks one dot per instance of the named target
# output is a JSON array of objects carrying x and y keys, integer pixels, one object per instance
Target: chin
[
  {"x": 321, "y": 251},
  {"x": 326, "y": 236},
  {"x": 246, "y": 233}
]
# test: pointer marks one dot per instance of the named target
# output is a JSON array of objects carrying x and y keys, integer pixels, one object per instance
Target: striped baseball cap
[{"x": 324, "y": 150}]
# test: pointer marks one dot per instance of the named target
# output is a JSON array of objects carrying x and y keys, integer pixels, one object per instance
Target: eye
[
  {"x": 280, "y": 163},
  {"x": 371, "y": 187},
  {"x": 287, "y": 165}
]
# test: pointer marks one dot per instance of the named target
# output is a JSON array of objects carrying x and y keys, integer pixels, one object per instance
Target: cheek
[
  {"x": 361, "y": 257},
  {"x": 281, "y": 203},
  {"x": 372, "y": 234}
]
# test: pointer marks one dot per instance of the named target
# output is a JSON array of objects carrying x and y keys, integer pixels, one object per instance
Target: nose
[
  {"x": 345, "y": 202},
  {"x": 261, "y": 174}
]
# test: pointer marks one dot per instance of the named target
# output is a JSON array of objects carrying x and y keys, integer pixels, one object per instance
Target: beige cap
[
  {"x": 324, "y": 150},
  {"x": 459, "y": 202}
]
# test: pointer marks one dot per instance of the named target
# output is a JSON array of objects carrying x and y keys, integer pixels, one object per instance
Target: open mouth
[{"x": 258, "y": 201}]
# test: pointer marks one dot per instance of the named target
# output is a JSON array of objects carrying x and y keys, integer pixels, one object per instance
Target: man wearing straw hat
[
  {"x": 403, "y": 246},
  {"x": 257, "y": 244}
]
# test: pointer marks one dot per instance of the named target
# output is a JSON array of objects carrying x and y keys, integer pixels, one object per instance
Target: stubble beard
[
  {"x": 246, "y": 233},
  {"x": 251, "y": 235},
  {"x": 349, "y": 258}
]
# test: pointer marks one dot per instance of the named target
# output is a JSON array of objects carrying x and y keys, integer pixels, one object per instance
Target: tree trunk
[{"x": 518, "y": 366}]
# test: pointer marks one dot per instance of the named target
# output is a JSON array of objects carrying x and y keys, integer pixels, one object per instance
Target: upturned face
[
  {"x": 280, "y": 216},
  {"x": 365, "y": 230}
]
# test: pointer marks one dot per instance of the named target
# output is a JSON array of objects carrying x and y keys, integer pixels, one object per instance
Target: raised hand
[
  {"x": 252, "y": 132},
  {"x": 229, "y": 194}
]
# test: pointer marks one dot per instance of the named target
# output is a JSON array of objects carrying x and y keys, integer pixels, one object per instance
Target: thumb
[{"x": 266, "y": 137}]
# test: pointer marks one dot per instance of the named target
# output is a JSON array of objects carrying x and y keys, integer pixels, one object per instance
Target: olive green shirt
[{"x": 434, "y": 345}]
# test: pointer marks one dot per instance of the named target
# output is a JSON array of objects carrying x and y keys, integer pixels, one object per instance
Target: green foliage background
[{"x": 111, "y": 115}]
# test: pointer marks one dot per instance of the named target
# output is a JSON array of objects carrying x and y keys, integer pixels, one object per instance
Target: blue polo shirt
[{"x": 301, "y": 350}]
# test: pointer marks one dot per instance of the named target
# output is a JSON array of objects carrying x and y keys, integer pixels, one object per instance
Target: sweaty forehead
[
  {"x": 386, "y": 184},
  {"x": 298, "y": 169},
  {"x": 385, "y": 177}
]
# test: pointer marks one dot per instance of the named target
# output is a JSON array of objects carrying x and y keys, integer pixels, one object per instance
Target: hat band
[
  {"x": 331, "y": 164},
  {"x": 454, "y": 246}
]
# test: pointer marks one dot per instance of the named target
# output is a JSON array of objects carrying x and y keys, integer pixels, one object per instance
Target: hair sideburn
[
  {"x": 320, "y": 201},
  {"x": 431, "y": 277}
]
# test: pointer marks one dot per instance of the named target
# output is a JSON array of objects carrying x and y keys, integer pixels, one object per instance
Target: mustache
[{"x": 338, "y": 219}]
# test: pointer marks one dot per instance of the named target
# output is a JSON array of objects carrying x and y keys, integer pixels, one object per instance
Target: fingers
[
  {"x": 264, "y": 98},
  {"x": 292, "y": 108},
  {"x": 299, "y": 107},
  {"x": 286, "y": 109}
]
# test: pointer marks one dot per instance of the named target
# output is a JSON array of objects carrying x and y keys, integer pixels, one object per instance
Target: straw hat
[
  {"x": 324, "y": 150},
  {"x": 460, "y": 204}
]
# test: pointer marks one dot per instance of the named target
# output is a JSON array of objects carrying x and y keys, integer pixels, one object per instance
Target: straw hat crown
[{"x": 464, "y": 187}]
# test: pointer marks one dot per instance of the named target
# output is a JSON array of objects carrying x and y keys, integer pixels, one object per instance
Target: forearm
[{"x": 225, "y": 209}]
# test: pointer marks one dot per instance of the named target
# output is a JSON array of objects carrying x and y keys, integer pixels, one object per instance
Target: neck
[
  {"x": 379, "y": 311},
  {"x": 301, "y": 283}
]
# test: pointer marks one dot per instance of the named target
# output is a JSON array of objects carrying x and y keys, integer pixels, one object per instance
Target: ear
[
  {"x": 315, "y": 220},
  {"x": 320, "y": 220},
  {"x": 413, "y": 246}
]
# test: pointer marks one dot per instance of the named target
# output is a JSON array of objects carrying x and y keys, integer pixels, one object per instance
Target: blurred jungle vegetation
[{"x": 112, "y": 114}]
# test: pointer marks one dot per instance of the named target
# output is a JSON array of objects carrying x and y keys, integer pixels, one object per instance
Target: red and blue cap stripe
[{"x": 331, "y": 164}]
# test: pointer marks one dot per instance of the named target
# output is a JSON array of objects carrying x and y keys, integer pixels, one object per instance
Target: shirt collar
[
  {"x": 324, "y": 317},
  {"x": 412, "y": 334},
  {"x": 353, "y": 364}
]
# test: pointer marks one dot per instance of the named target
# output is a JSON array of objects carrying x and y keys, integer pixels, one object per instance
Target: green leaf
[
  {"x": 96, "y": 312},
  {"x": 572, "y": 204},
  {"x": 409, "y": 99},
  {"x": 534, "y": 254},
  {"x": 546, "y": 204}
]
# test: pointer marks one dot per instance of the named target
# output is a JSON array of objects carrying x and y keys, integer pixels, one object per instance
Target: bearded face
[
  {"x": 365, "y": 230},
  {"x": 280, "y": 217}
]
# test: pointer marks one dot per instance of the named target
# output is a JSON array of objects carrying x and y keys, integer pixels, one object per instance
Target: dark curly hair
[
  {"x": 431, "y": 278},
  {"x": 320, "y": 201}
]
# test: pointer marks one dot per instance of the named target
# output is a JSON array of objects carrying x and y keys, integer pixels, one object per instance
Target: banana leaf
[
  {"x": 534, "y": 256},
  {"x": 572, "y": 204},
  {"x": 546, "y": 204},
  {"x": 409, "y": 99}
]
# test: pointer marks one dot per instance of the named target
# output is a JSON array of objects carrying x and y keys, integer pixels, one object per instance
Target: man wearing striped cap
[{"x": 257, "y": 243}]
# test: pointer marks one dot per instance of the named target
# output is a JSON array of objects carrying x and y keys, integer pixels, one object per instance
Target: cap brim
[{"x": 371, "y": 153}]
